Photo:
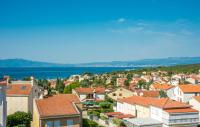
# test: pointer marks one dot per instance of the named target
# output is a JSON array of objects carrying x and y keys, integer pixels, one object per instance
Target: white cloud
[
  {"x": 121, "y": 20},
  {"x": 142, "y": 24},
  {"x": 160, "y": 33},
  {"x": 135, "y": 29},
  {"x": 186, "y": 32}
]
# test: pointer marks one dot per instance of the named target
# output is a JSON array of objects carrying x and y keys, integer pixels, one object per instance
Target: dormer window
[{"x": 23, "y": 87}]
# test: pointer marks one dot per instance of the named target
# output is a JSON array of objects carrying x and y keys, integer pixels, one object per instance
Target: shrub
[
  {"x": 89, "y": 123},
  {"x": 19, "y": 119}
]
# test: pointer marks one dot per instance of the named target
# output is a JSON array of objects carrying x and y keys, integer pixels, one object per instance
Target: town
[{"x": 149, "y": 97}]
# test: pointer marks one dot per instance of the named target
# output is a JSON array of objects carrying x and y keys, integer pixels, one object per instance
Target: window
[
  {"x": 57, "y": 123},
  {"x": 69, "y": 123},
  {"x": 23, "y": 88},
  {"x": 49, "y": 124}
]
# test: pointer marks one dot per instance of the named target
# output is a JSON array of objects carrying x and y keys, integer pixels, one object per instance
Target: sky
[{"x": 79, "y": 31}]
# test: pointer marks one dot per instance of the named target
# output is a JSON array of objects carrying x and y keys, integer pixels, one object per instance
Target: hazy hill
[
  {"x": 137, "y": 63},
  {"x": 145, "y": 62},
  {"x": 27, "y": 63}
]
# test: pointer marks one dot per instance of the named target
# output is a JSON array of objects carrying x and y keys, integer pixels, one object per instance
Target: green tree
[
  {"x": 19, "y": 119},
  {"x": 89, "y": 123},
  {"x": 68, "y": 89},
  {"x": 141, "y": 84},
  {"x": 27, "y": 78},
  {"x": 126, "y": 82},
  {"x": 45, "y": 85},
  {"x": 85, "y": 83},
  {"x": 113, "y": 80},
  {"x": 163, "y": 94},
  {"x": 59, "y": 85}
]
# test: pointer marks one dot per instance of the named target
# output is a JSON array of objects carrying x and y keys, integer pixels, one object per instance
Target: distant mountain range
[{"x": 170, "y": 61}]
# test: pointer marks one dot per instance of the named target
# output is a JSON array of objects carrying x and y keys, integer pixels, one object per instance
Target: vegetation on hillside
[{"x": 187, "y": 69}]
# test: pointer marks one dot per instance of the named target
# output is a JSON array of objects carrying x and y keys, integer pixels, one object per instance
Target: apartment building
[
  {"x": 57, "y": 111},
  {"x": 20, "y": 95},
  {"x": 169, "y": 112},
  {"x": 184, "y": 93}
]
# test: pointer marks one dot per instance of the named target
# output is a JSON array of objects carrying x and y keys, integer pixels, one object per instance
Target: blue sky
[{"x": 77, "y": 31}]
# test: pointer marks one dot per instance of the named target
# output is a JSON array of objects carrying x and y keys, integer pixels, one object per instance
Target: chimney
[
  {"x": 32, "y": 80},
  {"x": 7, "y": 78}
]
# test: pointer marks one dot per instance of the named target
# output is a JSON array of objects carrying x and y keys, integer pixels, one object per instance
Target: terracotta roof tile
[
  {"x": 125, "y": 116},
  {"x": 113, "y": 113},
  {"x": 180, "y": 110},
  {"x": 162, "y": 86},
  {"x": 19, "y": 89},
  {"x": 164, "y": 103},
  {"x": 57, "y": 105},
  {"x": 147, "y": 93},
  {"x": 197, "y": 98},
  {"x": 189, "y": 88},
  {"x": 90, "y": 90}
]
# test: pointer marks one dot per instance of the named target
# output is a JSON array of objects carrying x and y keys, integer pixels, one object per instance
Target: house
[
  {"x": 57, "y": 111},
  {"x": 165, "y": 110},
  {"x": 159, "y": 87},
  {"x": 184, "y": 93},
  {"x": 193, "y": 80},
  {"x": 146, "y": 78},
  {"x": 93, "y": 94},
  {"x": 3, "y": 104},
  {"x": 168, "y": 89},
  {"x": 20, "y": 95},
  {"x": 120, "y": 81},
  {"x": 52, "y": 83},
  {"x": 195, "y": 102},
  {"x": 120, "y": 93},
  {"x": 147, "y": 93}
]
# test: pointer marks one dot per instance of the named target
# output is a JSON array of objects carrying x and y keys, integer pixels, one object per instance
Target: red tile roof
[
  {"x": 113, "y": 113},
  {"x": 189, "y": 88},
  {"x": 147, "y": 93},
  {"x": 181, "y": 110},
  {"x": 162, "y": 86},
  {"x": 90, "y": 90},
  {"x": 19, "y": 89},
  {"x": 125, "y": 116},
  {"x": 164, "y": 103},
  {"x": 58, "y": 105},
  {"x": 3, "y": 83},
  {"x": 197, "y": 98}
]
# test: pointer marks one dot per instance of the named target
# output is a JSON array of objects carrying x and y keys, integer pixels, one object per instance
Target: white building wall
[
  {"x": 189, "y": 119},
  {"x": 178, "y": 94},
  {"x": 183, "y": 97},
  {"x": 15, "y": 104},
  {"x": 191, "y": 80},
  {"x": 100, "y": 96},
  {"x": 3, "y": 106},
  {"x": 156, "y": 113},
  {"x": 188, "y": 96},
  {"x": 170, "y": 94},
  {"x": 196, "y": 105},
  {"x": 82, "y": 96},
  {"x": 142, "y": 111},
  {"x": 126, "y": 108}
]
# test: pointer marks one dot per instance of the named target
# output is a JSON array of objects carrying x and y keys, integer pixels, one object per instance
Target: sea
[{"x": 56, "y": 72}]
